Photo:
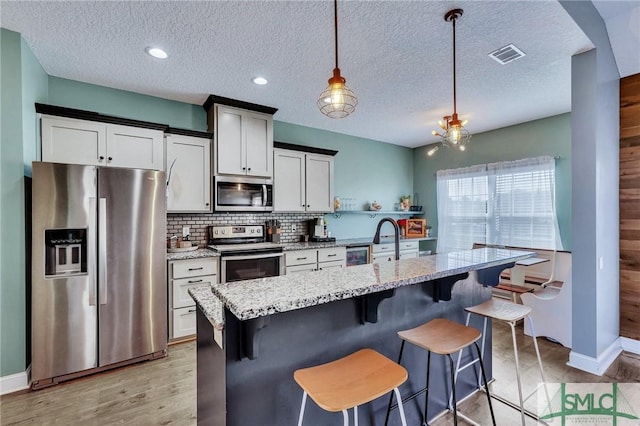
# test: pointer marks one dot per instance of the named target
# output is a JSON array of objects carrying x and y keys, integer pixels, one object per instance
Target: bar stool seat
[
  {"x": 351, "y": 381},
  {"x": 443, "y": 337},
  {"x": 511, "y": 313}
]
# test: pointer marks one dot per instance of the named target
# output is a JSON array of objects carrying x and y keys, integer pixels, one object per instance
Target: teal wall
[
  {"x": 548, "y": 136},
  {"x": 364, "y": 169},
  {"x": 23, "y": 82},
  {"x": 75, "y": 94}
]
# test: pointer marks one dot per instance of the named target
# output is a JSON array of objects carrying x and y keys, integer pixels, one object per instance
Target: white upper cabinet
[
  {"x": 319, "y": 183},
  {"x": 73, "y": 141},
  {"x": 244, "y": 142},
  {"x": 65, "y": 140},
  {"x": 289, "y": 175},
  {"x": 302, "y": 181},
  {"x": 188, "y": 170}
]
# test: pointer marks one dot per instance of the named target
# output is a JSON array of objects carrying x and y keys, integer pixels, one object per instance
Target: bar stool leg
[
  {"x": 386, "y": 420},
  {"x": 425, "y": 419},
  {"x": 515, "y": 351},
  {"x": 486, "y": 385},
  {"x": 400, "y": 407},
  {"x": 304, "y": 402},
  {"x": 535, "y": 344},
  {"x": 345, "y": 414},
  {"x": 453, "y": 392}
]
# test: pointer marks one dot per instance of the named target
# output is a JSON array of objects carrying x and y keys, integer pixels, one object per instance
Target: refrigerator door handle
[
  {"x": 91, "y": 242},
  {"x": 102, "y": 249}
]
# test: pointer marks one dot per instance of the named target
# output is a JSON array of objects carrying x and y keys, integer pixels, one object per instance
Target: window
[{"x": 508, "y": 203}]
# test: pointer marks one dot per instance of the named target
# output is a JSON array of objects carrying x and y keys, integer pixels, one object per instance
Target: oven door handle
[{"x": 253, "y": 256}]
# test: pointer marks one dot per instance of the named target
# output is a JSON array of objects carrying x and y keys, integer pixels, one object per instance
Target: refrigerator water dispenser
[{"x": 66, "y": 252}]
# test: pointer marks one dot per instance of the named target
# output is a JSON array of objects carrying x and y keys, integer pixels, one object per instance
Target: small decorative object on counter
[
  {"x": 336, "y": 203},
  {"x": 405, "y": 202},
  {"x": 375, "y": 206},
  {"x": 172, "y": 242}
]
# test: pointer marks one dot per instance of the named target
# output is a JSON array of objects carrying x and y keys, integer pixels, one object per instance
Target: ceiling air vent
[{"x": 506, "y": 54}]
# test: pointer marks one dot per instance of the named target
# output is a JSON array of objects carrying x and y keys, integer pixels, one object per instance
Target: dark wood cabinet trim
[
  {"x": 96, "y": 116},
  {"x": 302, "y": 148},
  {"x": 213, "y": 99}
]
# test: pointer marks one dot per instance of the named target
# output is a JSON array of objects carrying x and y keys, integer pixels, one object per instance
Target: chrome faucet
[{"x": 396, "y": 231}]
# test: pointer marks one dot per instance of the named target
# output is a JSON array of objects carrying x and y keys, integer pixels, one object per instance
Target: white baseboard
[
  {"x": 597, "y": 365},
  {"x": 630, "y": 345},
  {"x": 15, "y": 382}
]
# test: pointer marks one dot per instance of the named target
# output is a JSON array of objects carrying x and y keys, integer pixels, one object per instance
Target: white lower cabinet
[
  {"x": 183, "y": 275},
  {"x": 315, "y": 259},
  {"x": 387, "y": 252}
]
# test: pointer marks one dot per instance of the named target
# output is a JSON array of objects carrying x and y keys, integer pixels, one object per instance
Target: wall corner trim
[
  {"x": 15, "y": 382},
  {"x": 597, "y": 365},
  {"x": 630, "y": 345}
]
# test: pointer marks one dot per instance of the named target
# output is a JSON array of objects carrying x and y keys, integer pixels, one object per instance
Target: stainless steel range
[{"x": 244, "y": 254}]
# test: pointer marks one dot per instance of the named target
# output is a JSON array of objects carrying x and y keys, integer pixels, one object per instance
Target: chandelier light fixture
[
  {"x": 453, "y": 133},
  {"x": 337, "y": 100}
]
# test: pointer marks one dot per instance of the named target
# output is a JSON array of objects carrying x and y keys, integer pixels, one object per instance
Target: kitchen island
[{"x": 253, "y": 334}]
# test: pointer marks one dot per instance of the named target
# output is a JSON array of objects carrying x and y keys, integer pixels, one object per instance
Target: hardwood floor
[{"x": 163, "y": 392}]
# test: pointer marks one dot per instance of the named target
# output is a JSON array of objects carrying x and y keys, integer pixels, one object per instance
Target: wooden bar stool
[
  {"x": 510, "y": 313},
  {"x": 443, "y": 337},
  {"x": 351, "y": 381}
]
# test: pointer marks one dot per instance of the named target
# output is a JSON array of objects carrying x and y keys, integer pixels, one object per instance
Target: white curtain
[
  {"x": 521, "y": 209},
  {"x": 462, "y": 207},
  {"x": 509, "y": 203}
]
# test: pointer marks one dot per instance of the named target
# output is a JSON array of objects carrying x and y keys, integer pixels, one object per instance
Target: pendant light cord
[
  {"x": 335, "y": 16},
  {"x": 454, "y": 65}
]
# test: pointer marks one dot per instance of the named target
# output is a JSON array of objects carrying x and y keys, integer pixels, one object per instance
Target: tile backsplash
[{"x": 198, "y": 222}]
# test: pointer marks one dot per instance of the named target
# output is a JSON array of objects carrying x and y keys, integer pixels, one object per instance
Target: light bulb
[
  {"x": 462, "y": 147},
  {"x": 432, "y": 150},
  {"x": 337, "y": 94},
  {"x": 454, "y": 135}
]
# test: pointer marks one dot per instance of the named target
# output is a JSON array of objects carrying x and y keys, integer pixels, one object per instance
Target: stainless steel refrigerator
[{"x": 99, "y": 295}]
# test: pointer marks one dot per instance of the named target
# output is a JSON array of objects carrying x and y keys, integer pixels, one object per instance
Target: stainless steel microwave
[{"x": 242, "y": 194}]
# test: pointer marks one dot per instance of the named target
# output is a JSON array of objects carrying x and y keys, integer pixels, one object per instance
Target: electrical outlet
[
  {"x": 185, "y": 231},
  {"x": 294, "y": 228}
]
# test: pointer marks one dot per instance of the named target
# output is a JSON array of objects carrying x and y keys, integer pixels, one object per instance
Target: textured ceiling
[
  {"x": 395, "y": 55},
  {"x": 622, "y": 19}
]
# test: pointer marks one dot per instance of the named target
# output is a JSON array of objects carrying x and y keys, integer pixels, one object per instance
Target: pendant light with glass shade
[
  {"x": 337, "y": 100},
  {"x": 453, "y": 135}
]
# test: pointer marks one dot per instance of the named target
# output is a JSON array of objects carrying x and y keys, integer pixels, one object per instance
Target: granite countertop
[
  {"x": 260, "y": 297},
  {"x": 209, "y": 304},
  {"x": 195, "y": 254},
  {"x": 351, "y": 242}
]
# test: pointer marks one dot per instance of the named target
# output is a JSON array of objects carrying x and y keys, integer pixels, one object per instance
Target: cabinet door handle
[
  {"x": 249, "y": 169},
  {"x": 196, "y": 269},
  {"x": 332, "y": 255},
  {"x": 206, "y": 204},
  {"x": 194, "y": 281},
  {"x": 110, "y": 158},
  {"x": 244, "y": 168},
  {"x": 191, "y": 310},
  {"x": 101, "y": 158},
  {"x": 301, "y": 258},
  {"x": 308, "y": 205}
]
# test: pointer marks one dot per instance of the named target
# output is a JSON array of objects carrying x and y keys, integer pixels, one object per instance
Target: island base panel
[{"x": 262, "y": 390}]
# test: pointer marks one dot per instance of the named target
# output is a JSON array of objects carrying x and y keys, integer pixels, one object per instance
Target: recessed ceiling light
[
  {"x": 260, "y": 81},
  {"x": 156, "y": 52}
]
